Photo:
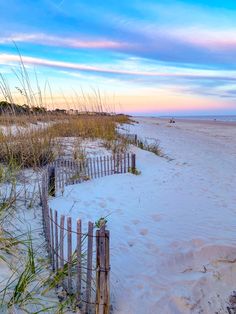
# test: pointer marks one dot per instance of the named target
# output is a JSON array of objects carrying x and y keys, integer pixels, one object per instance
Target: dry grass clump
[
  {"x": 26, "y": 149},
  {"x": 103, "y": 127},
  {"x": 7, "y": 120},
  {"x": 153, "y": 147},
  {"x": 118, "y": 145},
  {"x": 36, "y": 146},
  {"x": 26, "y": 119}
]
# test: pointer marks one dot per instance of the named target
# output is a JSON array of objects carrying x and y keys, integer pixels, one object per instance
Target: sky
[{"x": 143, "y": 56}]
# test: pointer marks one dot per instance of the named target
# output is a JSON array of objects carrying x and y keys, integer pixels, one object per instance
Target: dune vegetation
[{"x": 31, "y": 136}]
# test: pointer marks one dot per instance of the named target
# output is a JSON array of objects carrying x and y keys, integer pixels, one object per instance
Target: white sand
[{"x": 173, "y": 228}]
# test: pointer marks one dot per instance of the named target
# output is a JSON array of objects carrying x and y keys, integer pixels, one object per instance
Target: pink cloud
[{"x": 206, "y": 38}]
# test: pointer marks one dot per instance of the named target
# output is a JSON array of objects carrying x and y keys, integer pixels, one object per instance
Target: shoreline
[{"x": 191, "y": 121}]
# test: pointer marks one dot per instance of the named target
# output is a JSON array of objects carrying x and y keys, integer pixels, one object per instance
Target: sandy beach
[
  {"x": 173, "y": 227},
  {"x": 118, "y": 157}
]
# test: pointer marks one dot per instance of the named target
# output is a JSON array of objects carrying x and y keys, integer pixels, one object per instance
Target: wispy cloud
[
  {"x": 45, "y": 39},
  {"x": 9, "y": 58},
  {"x": 211, "y": 39},
  {"x": 193, "y": 45}
]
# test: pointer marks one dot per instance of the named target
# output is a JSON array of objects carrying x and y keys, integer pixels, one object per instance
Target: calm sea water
[{"x": 211, "y": 118}]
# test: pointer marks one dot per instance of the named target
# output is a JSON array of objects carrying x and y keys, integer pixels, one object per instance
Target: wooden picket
[
  {"x": 103, "y": 270},
  {"x": 89, "y": 267},
  {"x": 69, "y": 255},
  {"x": 61, "y": 252},
  {"x": 79, "y": 265}
]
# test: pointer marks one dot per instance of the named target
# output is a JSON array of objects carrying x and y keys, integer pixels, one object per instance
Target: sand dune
[{"x": 173, "y": 228}]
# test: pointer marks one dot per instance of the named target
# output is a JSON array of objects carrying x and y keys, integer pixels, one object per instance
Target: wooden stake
[
  {"x": 101, "y": 167},
  {"x": 52, "y": 241},
  {"x": 98, "y": 168},
  {"x": 78, "y": 251},
  {"x": 51, "y": 181},
  {"x": 62, "y": 222},
  {"x": 89, "y": 266},
  {"x": 56, "y": 239},
  {"x": 69, "y": 254},
  {"x": 133, "y": 166},
  {"x": 104, "y": 163},
  {"x": 103, "y": 272}
]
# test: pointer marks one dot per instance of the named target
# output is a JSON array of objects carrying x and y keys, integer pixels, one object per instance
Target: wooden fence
[
  {"x": 80, "y": 260},
  {"x": 67, "y": 172},
  {"x": 149, "y": 144},
  {"x": 132, "y": 138}
]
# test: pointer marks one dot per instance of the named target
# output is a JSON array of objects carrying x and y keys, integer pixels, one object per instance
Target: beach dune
[{"x": 173, "y": 227}]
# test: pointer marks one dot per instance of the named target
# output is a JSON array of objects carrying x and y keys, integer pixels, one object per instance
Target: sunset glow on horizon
[{"x": 150, "y": 57}]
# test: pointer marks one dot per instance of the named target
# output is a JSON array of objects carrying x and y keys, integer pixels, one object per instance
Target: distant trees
[
  {"x": 9, "y": 108},
  {"x": 15, "y": 109}
]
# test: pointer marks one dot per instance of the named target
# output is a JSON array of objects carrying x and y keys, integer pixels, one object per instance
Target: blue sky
[{"x": 154, "y": 56}]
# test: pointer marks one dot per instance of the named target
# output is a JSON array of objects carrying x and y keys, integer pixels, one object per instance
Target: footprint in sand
[
  {"x": 135, "y": 221},
  {"x": 131, "y": 243},
  {"x": 143, "y": 232}
]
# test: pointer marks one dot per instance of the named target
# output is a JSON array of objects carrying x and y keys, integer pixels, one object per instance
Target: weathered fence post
[
  {"x": 125, "y": 163},
  {"x": 103, "y": 272},
  {"x": 135, "y": 139},
  {"x": 79, "y": 257},
  {"x": 89, "y": 266},
  {"x": 133, "y": 163},
  {"x": 56, "y": 240},
  {"x": 51, "y": 181},
  {"x": 62, "y": 222},
  {"x": 52, "y": 240},
  {"x": 45, "y": 210},
  {"x": 69, "y": 254}
]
